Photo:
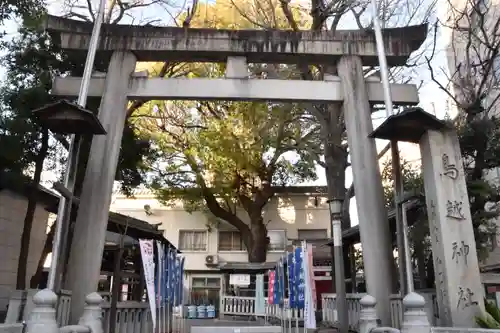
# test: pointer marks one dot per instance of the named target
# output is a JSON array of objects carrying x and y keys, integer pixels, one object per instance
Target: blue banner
[
  {"x": 160, "y": 274},
  {"x": 299, "y": 279},
  {"x": 282, "y": 280},
  {"x": 172, "y": 275},
  {"x": 177, "y": 281},
  {"x": 276, "y": 287},
  {"x": 291, "y": 280},
  {"x": 168, "y": 275},
  {"x": 181, "y": 282}
]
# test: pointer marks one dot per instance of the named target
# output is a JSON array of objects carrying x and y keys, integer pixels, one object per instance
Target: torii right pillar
[
  {"x": 373, "y": 226},
  {"x": 458, "y": 283}
]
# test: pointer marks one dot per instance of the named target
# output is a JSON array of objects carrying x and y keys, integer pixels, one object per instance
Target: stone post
[
  {"x": 92, "y": 313},
  {"x": 368, "y": 319},
  {"x": 373, "y": 226},
  {"x": 458, "y": 283},
  {"x": 91, "y": 224},
  {"x": 415, "y": 318},
  {"x": 43, "y": 316},
  {"x": 75, "y": 329}
]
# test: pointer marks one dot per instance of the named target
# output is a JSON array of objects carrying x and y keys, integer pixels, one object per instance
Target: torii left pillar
[{"x": 91, "y": 224}]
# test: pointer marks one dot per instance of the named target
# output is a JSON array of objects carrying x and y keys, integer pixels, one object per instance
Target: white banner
[
  {"x": 148, "y": 263},
  {"x": 309, "y": 313},
  {"x": 311, "y": 275}
]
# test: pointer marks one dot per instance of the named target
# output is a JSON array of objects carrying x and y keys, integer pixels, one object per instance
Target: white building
[{"x": 297, "y": 213}]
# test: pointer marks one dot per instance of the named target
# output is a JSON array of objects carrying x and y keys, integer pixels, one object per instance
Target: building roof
[
  {"x": 351, "y": 235},
  {"x": 251, "y": 267},
  {"x": 117, "y": 223}
]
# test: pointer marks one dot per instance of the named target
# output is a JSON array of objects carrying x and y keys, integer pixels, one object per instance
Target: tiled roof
[{"x": 117, "y": 222}]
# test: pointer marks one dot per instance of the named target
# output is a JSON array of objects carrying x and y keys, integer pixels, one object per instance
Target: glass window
[
  {"x": 277, "y": 240},
  {"x": 231, "y": 241},
  {"x": 312, "y": 234},
  {"x": 192, "y": 240},
  {"x": 206, "y": 282}
]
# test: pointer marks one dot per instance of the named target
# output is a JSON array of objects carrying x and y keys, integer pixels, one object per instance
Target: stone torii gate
[{"x": 123, "y": 46}]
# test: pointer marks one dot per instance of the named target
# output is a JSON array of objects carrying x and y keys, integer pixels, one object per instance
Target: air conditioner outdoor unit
[{"x": 211, "y": 260}]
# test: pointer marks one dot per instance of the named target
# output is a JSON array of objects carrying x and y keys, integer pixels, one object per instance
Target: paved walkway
[{"x": 186, "y": 325}]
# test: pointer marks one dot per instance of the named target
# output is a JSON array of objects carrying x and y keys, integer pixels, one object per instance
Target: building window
[
  {"x": 312, "y": 234},
  {"x": 192, "y": 240},
  {"x": 231, "y": 241},
  {"x": 205, "y": 291},
  {"x": 277, "y": 240}
]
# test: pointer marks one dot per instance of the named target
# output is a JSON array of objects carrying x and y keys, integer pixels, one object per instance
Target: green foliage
[
  {"x": 28, "y": 10},
  {"x": 479, "y": 137},
  {"x": 412, "y": 180},
  {"x": 491, "y": 318},
  {"x": 30, "y": 63},
  {"x": 235, "y": 148},
  {"x": 218, "y": 156},
  {"x": 480, "y": 144}
]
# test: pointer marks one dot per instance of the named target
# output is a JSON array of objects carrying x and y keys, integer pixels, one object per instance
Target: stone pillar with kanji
[{"x": 458, "y": 284}]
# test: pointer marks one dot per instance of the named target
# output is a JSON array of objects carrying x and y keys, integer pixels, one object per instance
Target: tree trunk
[
  {"x": 257, "y": 241},
  {"x": 30, "y": 213},
  {"x": 36, "y": 279}
]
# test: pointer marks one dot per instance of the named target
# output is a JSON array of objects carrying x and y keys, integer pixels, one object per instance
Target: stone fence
[
  {"x": 43, "y": 318},
  {"x": 415, "y": 318}
]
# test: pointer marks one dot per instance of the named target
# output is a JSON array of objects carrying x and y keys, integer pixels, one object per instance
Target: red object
[
  {"x": 493, "y": 289},
  {"x": 270, "y": 287}
]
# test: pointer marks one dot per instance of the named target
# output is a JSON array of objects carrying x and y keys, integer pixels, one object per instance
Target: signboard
[{"x": 239, "y": 279}]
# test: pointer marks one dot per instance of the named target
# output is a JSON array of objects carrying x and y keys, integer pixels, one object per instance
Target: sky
[{"x": 432, "y": 99}]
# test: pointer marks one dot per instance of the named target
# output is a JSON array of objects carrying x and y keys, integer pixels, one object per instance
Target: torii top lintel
[{"x": 150, "y": 43}]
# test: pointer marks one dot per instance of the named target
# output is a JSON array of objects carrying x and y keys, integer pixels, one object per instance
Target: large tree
[
  {"x": 227, "y": 158},
  {"x": 330, "y": 140}
]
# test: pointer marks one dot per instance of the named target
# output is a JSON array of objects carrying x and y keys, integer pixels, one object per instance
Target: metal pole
[
  {"x": 64, "y": 209},
  {"x": 409, "y": 270},
  {"x": 335, "y": 206},
  {"x": 398, "y": 179},
  {"x": 384, "y": 70},
  {"x": 400, "y": 234}
]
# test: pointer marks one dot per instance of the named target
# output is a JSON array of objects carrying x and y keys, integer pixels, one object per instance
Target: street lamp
[
  {"x": 335, "y": 206},
  {"x": 64, "y": 117},
  {"x": 407, "y": 126}
]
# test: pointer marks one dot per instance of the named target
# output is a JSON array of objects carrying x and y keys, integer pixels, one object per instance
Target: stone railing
[
  {"x": 329, "y": 312},
  {"x": 12, "y": 328},
  {"x": 245, "y": 306},
  {"x": 415, "y": 318},
  {"x": 237, "y": 306},
  {"x": 43, "y": 317},
  {"x": 22, "y": 301},
  {"x": 130, "y": 317}
]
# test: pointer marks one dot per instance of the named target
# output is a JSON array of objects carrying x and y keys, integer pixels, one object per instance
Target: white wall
[
  {"x": 12, "y": 212},
  {"x": 289, "y": 214}
]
